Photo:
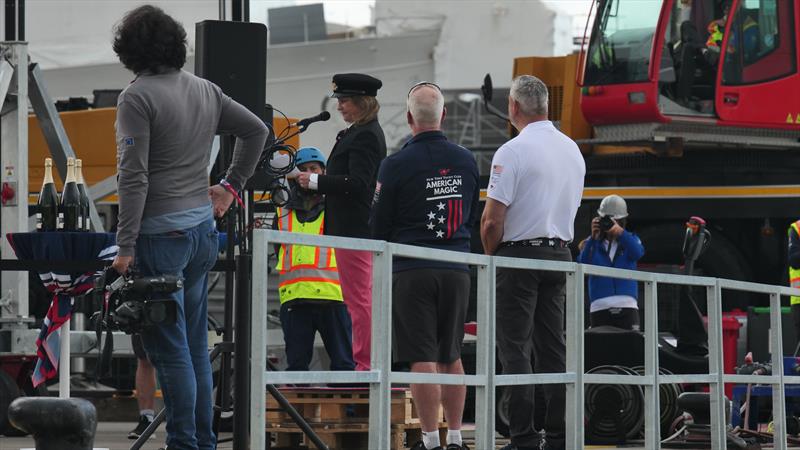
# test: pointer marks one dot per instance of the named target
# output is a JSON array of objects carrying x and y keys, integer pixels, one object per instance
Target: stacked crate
[{"x": 340, "y": 417}]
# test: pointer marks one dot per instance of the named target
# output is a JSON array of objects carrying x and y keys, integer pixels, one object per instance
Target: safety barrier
[{"x": 380, "y": 377}]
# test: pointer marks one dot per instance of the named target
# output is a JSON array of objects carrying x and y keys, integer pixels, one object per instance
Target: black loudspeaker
[
  {"x": 260, "y": 180},
  {"x": 233, "y": 55}
]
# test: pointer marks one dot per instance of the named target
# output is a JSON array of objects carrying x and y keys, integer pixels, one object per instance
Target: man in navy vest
[{"x": 427, "y": 195}]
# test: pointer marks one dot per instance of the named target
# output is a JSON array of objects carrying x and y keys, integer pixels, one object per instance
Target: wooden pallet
[
  {"x": 352, "y": 436},
  {"x": 340, "y": 406}
]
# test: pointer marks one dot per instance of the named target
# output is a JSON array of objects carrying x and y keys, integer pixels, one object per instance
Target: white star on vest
[{"x": 440, "y": 206}]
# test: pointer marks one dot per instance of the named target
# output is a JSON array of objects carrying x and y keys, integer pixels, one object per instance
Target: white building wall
[
  {"x": 479, "y": 36},
  {"x": 299, "y": 79}
]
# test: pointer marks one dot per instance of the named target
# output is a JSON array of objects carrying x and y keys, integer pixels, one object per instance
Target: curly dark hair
[{"x": 148, "y": 39}]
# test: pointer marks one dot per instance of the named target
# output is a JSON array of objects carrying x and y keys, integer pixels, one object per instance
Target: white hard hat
[{"x": 614, "y": 206}]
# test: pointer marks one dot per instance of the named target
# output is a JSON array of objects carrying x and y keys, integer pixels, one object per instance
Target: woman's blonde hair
[{"x": 369, "y": 107}]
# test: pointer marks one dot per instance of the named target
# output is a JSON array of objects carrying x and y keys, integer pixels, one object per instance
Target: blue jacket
[
  {"x": 629, "y": 251},
  {"x": 427, "y": 195}
]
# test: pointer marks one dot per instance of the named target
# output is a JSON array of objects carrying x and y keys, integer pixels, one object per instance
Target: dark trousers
[
  {"x": 796, "y": 320},
  {"x": 530, "y": 320},
  {"x": 301, "y": 321}
]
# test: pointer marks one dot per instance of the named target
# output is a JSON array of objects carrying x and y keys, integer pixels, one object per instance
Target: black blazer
[{"x": 349, "y": 180}]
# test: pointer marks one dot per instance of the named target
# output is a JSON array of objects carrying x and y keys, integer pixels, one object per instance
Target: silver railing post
[
  {"x": 258, "y": 343},
  {"x": 381, "y": 350},
  {"x": 652, "y": 419},
  {"x": 778, "y": 398},
  {"x": 575, "y": 356},
  {"x": 716, "y": 367},
  {"x": 485, "y": 364}
]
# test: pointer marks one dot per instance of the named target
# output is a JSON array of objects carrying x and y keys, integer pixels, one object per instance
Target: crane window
[
  {"x": 622, "y": 41},
  {"x": 761, "y": 45}
]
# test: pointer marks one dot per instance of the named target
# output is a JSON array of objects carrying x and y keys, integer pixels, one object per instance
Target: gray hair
[
  {"x": 531, "y": 94},
  {"x": 426, "y": 105}
]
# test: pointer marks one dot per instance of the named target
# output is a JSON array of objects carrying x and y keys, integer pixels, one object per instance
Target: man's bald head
[{"x": 425, "y": 108}]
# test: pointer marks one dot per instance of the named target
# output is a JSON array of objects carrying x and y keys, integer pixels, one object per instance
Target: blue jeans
[{"x": 179, "y": 351}]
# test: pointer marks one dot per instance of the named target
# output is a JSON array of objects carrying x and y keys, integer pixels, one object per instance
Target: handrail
[{"x": 380, "y": 377}]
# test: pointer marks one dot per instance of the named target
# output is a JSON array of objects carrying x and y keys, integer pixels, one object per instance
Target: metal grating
[{"x": 556, "y": 100}]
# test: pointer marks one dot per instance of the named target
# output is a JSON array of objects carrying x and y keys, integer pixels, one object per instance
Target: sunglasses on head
[{"x": 423, "y": 83}]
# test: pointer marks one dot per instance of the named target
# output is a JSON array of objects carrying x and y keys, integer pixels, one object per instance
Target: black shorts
[
  {"x": 429, "y": 307},
  {"x": 138, "y": 346}
]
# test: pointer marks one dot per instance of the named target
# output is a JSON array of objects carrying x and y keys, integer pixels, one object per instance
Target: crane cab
[{"x": 713, "y": 62}]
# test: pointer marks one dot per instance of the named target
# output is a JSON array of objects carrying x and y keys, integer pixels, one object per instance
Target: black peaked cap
[{"x": 350, "y": 84}]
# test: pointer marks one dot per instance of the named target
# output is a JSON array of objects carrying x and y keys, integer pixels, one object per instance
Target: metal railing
[{"x": 485, "y": 380}]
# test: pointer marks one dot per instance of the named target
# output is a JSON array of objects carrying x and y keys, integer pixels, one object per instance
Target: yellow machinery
[{"x": 91, "y": 134}]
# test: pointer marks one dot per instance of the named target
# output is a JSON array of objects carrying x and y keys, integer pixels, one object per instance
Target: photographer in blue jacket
[{"x": 612, "y": 300}]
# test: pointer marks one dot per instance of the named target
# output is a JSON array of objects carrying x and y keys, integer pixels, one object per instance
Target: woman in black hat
[{"x": 349, "y": 185}]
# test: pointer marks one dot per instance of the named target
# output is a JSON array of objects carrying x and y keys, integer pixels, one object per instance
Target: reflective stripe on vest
[
  {"x": 305, "y": 271},
  {"x": 794, "y": 274},
  {"x": 715, "y": 34}
]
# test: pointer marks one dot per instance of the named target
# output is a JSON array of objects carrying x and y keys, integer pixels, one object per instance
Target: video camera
[{"x": 134, "y": 303}]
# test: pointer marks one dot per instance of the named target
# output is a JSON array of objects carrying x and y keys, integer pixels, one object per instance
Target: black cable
[
  {"x": 285, "y": 130},
  {"x": 613, "y": 411}
]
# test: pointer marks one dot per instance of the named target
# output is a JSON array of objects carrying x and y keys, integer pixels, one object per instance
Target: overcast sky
[{"x": 358, "y": 12}]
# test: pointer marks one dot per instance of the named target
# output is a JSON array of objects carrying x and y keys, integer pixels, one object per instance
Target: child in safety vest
[{"x": 308, "y": 287}]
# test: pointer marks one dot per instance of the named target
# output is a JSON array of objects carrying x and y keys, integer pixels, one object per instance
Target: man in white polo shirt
[{"x": 534, "y": 192}]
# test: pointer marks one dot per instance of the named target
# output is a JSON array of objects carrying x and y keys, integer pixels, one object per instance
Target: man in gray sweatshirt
[{"x": 166, "y": 121}]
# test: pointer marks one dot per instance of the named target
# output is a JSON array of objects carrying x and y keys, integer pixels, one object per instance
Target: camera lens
[{"x": 606, "y": 223}]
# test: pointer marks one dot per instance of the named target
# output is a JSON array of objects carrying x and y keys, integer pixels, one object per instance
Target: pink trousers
[{"x": 355, "y": 275}]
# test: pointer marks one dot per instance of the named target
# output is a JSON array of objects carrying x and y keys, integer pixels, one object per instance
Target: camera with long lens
[
  {"x": 606, "y": 223},
  {"x": 135, "y": 303}
]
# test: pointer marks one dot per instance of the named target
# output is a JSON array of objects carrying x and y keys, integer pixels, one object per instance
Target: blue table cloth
[{"x": 60, "y": 246}]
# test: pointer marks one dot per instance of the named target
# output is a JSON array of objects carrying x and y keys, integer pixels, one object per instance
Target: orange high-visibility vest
[{"x": 305, "y": 271}]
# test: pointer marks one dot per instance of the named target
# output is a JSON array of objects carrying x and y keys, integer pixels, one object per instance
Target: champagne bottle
[
  {"x": 83, "y": 196},
  {"x": 70, "y": 211},
  {"x": 47, "y": 206}
]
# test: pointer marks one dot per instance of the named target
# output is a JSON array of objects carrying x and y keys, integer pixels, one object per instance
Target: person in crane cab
[
  {"x": 612, "y": 300},
  {"x": 794, "y": 273},
  {"x": 308, "y": 288}
]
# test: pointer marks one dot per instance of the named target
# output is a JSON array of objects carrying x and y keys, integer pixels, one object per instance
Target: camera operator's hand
[
  {"x": 221, "y": 199},
  {"x": 615, "y": 231},
  {"x": 596, "y": 231},
  {"x": 122, "y": 263}
]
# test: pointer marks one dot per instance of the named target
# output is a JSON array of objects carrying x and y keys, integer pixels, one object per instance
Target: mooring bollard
[{"x": 55, "y": 423}]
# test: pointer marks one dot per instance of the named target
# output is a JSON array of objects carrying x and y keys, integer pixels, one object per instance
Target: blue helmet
[{"x": 309, "y": 154}]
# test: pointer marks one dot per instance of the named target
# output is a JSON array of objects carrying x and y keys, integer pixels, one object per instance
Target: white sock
[
  {"x": 454, "y": 437},
  {"x": 149, "y": 413},
  {"x": 431, "y": 439}
]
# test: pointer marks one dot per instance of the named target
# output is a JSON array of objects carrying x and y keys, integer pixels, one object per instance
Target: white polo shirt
[{"x": 538, "y": 175}]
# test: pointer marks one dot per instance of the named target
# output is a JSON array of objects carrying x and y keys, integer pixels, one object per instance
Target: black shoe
[
  {"x": 457, "y": 447},
  {"x": 144, "y": 422},
  {"x": 421, "y": 446}
]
